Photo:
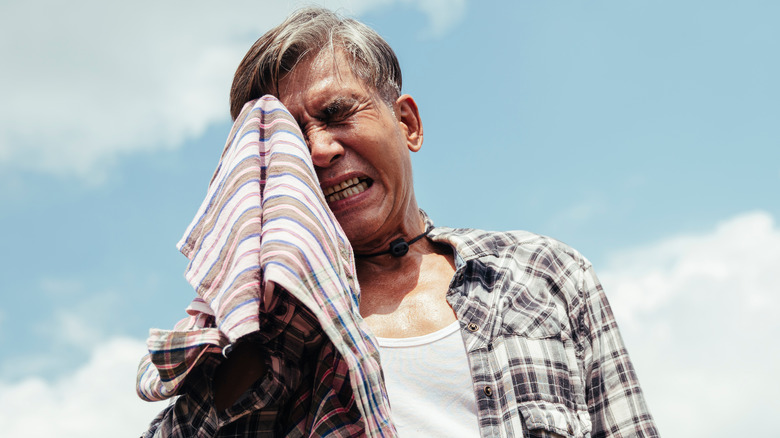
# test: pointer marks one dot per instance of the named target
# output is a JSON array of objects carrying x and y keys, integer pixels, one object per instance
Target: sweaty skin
[
  {"x": 353, "y": 133},
  {"x": 360, "y": 146}
]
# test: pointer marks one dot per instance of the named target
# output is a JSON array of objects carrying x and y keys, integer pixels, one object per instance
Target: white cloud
[
  {"x": 86, "y": 319},
  {"x": 443, "y": 14},
  {"x": 73, "y": 330},
  {"x": 698, "y": 316},
  {"x": 71, "y": 319},
  {"x": 96, "y": 400},
  {"x": 84, "y": 85}
]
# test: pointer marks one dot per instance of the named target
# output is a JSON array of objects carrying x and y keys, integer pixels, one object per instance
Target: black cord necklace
[{"x": 398, "y": 247}]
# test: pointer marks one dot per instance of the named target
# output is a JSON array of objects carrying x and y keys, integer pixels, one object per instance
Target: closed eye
[{"x": 338, "y": 110}]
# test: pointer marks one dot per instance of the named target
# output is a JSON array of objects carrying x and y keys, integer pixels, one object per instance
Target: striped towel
[{"x": 265, "y": 224}]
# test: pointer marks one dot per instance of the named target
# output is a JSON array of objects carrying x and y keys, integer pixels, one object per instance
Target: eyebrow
[{"x": 338, "y": 106}]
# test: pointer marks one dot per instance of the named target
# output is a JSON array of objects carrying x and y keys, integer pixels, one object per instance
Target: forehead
[{"x": 319, "y": 75}]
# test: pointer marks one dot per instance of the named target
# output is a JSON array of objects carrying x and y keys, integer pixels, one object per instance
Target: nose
[{"x": 325, "y": 148}]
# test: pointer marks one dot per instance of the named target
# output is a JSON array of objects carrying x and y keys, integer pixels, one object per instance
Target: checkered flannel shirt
[
  {"x": 545, "y": 353},
  {"x": 305, "y": 371},
  {"x": 546, "y": 356}
]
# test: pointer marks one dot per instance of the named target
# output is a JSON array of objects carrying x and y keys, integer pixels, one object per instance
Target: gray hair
[{"x": 308, "y": 32}]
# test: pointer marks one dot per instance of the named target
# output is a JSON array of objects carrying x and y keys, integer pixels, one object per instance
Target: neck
[
  {"x": 404, "y": 225},
  {"x": 370, "y": 267},
  {"x": 375, "y": 250},
  {"x": 398, "y": 247}
]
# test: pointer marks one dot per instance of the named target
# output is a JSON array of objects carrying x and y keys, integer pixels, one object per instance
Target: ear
[{"x": 409, "y": 117}]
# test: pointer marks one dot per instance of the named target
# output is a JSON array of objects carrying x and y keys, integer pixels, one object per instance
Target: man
[{"x": 481, "y": 333}]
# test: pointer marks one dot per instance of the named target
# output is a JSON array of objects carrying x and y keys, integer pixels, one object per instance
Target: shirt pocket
[
  {"x": 537, "y": 370},
  {"x": 534, "y": 348},
  {"x": 543, "y": 419}
]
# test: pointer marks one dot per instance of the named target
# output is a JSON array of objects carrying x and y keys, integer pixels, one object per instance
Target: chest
[
  {"x": 412, "y": 306},
  {"x": 420, "y": 311}
]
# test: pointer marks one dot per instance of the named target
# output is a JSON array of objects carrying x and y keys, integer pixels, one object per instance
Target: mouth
[{"x": 345, "y": 189}]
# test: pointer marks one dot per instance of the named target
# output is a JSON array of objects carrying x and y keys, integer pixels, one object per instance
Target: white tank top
[{"x": 429, "y": 385}]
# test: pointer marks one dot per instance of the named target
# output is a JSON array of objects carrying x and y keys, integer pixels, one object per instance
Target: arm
[
  {"x": 211, "y": 397},
  {"x": 615, "y": 400},
  {"x": 187, "y": 363}
]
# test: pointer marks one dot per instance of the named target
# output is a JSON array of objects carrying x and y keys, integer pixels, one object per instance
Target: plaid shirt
[
  {"x": 272, "y": 267},
  {"x": 546, "y": 356},
  {"x": 306, "y": 372},
  {"x": 545, "y": 353}
]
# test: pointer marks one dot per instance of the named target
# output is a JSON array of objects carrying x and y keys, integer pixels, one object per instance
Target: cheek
[{"x": 380, "y": 145}]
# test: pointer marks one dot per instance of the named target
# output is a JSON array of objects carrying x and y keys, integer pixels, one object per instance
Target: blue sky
[{"x": 644, "y": 134}]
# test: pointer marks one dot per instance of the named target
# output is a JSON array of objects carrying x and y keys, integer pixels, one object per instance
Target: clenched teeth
[
  {"x": 345, "y": 189},
  {"x": 350, "y": 182}
]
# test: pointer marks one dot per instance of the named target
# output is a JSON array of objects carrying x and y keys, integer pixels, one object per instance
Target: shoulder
[
  {"x": 520, "y": 268},
  {"x": 519, "y": 247}
]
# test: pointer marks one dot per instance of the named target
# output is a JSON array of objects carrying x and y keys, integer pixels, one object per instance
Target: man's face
[{"x": 359, "y": 145}]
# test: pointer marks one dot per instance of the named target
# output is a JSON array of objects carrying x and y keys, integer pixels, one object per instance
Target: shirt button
[
  {"x": 488, "y": 391},
  {"x": 472, "y": 327}
]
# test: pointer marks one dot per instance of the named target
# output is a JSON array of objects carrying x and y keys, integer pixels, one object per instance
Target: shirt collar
[{"x": 462, "y": 240}]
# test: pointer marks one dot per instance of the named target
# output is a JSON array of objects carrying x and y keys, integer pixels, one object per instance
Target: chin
[
  {"x": 357, "y": 227},
  {"x": 355, "y": 232}
]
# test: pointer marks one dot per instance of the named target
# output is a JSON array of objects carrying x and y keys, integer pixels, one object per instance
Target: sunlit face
[{"x": 359, "y": 145}]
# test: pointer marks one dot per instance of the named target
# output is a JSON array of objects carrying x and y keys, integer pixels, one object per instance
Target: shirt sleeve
[
  {"x": 306, "y": 391},
  {"x": 615, "y": 401},
  {"x": 193, "y": 413},
  {"x": 174, "y": 353},
  {"x": 327, "y": 408}
]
